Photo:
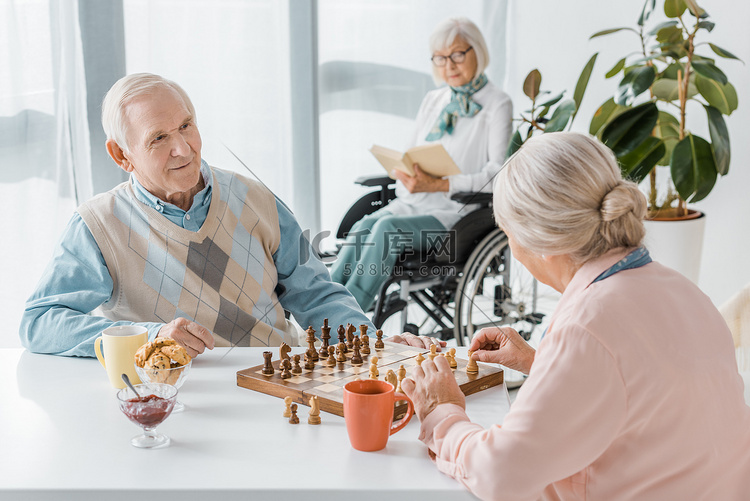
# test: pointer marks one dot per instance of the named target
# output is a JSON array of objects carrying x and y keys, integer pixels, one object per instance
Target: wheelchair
[{"x": 473, "y": 283}]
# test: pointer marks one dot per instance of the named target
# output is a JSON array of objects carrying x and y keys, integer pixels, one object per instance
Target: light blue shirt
[{"x": 57, "y": 317}]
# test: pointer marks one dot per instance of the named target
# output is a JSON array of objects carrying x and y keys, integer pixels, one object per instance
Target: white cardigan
[{"x": 477, "y": 145}]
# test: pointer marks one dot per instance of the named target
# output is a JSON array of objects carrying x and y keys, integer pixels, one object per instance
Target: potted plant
[
  {"x": 561, "y": 111},
  {"x": 645, "y": 122}
]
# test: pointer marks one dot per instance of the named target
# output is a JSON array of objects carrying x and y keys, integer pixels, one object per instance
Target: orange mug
[{"x": 368, "y": 412}]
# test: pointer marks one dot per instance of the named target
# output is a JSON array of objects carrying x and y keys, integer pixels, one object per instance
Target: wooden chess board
[{"x": 328, "y": 382}]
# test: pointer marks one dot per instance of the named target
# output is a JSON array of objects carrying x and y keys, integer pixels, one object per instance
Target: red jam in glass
[{"x": 148, "y": 411}]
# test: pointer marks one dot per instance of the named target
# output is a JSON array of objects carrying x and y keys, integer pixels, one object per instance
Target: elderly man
[{"x": 191, "y": 252}]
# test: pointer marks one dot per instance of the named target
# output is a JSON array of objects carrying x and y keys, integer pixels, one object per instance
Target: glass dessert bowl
[
  {"x": 174, "y": 376},
  {"x": 154, "y": 405}
]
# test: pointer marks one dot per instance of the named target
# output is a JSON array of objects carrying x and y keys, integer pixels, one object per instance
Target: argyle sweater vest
[{"x": 222, "y": 276}]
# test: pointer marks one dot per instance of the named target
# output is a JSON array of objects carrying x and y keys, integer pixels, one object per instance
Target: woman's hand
[
  {"x": 418, "y": 341},
  {"x": 194, "y": 337},
  {"x": 503, "y": 345},
  {"x": 421, "y": 181},
  {"x": 432, "y": 384}
]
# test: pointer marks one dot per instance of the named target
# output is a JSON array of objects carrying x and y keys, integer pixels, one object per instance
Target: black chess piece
[
  {"x": 286, "y": 373},
  {"x": 267, "y": 366},
  {"x": 356, "y": 357}
]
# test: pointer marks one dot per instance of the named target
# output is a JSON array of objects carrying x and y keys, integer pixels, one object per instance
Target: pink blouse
[{"x": 634, "y": 394}]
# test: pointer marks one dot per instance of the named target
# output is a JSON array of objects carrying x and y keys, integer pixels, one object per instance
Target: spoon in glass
[{"x": 130, "y": 385}]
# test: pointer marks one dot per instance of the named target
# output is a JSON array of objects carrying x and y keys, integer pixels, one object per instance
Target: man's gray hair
[
  {"x": 445, "y": 34},
  {"x": 123, "y": 92},
  {"x": 562, "y": 193}
]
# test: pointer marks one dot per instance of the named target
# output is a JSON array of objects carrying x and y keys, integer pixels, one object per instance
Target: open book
[{"x": 432, "y": 159}]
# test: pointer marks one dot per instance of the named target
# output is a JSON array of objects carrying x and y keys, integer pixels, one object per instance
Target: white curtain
[
  {"x": 374, "y": 71},
  {"x": 232, "y": 58},
  {"x": 44, "y": 150}
]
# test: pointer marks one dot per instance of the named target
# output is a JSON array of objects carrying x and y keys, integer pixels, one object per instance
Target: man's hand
[
  {"x": 418, "y": 341},
  {"x": 421, "y": 181},
  {"x": 503, "y": 345},
  {"x": 432, "y": 384},
  {"x": 194, "y": 337}
]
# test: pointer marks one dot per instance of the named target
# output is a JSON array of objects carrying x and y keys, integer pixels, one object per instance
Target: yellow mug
[{"x": 120, "y": 344}]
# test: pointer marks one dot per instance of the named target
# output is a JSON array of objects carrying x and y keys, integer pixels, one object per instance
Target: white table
[{"x": 62, "y": 436}]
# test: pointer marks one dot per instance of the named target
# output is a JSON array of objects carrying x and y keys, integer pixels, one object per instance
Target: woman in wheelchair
[
  {"x": 471, "y": 117},
  {"x": 633, "y": 392}
]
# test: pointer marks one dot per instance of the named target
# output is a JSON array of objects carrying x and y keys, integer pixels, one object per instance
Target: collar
[{"x": 201, "y": 198}]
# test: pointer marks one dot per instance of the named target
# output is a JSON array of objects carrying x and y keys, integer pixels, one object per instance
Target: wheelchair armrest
[
  {"x": 468, "y": 197},
  {"x": 381, "y": 181}
]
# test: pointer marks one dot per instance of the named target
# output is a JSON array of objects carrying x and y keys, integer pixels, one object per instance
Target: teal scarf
[{"x": 461, "y": 105}]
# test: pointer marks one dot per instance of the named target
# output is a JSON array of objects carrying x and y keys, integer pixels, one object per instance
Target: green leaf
[
  {"x": 603, "y": 115},
  {"x": 616, "y": 68},
  {"x": 629, "y": 129},
  {"x": 543, "y": 113},
  {"x": 694, "y": 9},
  {"x": 671, "y": 71},
  {"x": 674, "y": 8},
  {"x": 706, "y": 25},
  {"x": 633, "y": 84},
  {"x": 611, "y": 30},
  {"x": 561, "y": 115},
  {"x": 670, "y": 34},
  {"x": 648, "y": 8},
  {"x": 719, "y": 139},
  {"x": 583, "y": 82},
  {"x": 532, "y": 83},
  {"x": 659, "y": 26},
  {"x": 721, "y": 97},
  {"x": 693, "y": 168},
  {"x": 552, "y": 100},
  {"x": 723, "y": 53},
  {"x": 668, "y": 129},
  {"x": 638, "y": 163},
  {"x": 709, "y": 70},
  {"x": 514, "y": 144},
  {"x": 667, "y": 89}
]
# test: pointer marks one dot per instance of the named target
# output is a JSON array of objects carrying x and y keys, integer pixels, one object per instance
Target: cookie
[
  {"x": 143, "y": 353},
  {"x": 160, "y": 342},
  {"x": 177, "y": 353}
]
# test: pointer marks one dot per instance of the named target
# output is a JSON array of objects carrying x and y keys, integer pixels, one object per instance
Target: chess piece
[
  {"x": 362, "y": 330},
  {"x": 267, "y": 366},
  {"x": 296, "y": 369},
  {"x": 357, "y": 356},
  {"x": 451, "y": 356},
  {"x": 284, "y": 350},
  {"x": 331, "y": 362},
  {"x": 365, "y": 339},
  {"x": 374, "y": 368},
  {"x": 342, "y": 335},
  {"x": 433, "y": 352},
  {"x": 472, "y": 367},
  {"x": 350, "y": 336},
  {"x": 390, "y": 376},
  {"x": 419, "y": 359},
  {"x": 313, "y": 417},
  {"x": 401, "y": 375},
  {"x": 324, "y": 337},
  {"x": 286, "y": 373},
  {"x": 311, "y": 351},
  {"x": 294, "y": 419},
  {"x": 287, "y": 407},
  {"x": 341, "y": 357},
  {"x": 379, "y": 344},
  {"x": 310, "y": 363}
]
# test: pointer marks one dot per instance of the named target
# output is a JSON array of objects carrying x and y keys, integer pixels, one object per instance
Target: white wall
[{"x": 552, "y": 35}]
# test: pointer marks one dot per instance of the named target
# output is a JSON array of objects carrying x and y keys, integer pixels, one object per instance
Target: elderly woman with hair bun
[
  {"x": 634, "y": 391},
  {"x": 471, "y": 118}
]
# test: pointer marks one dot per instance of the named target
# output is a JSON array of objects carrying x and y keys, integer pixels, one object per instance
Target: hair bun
[{"x": 622, "y": 199}]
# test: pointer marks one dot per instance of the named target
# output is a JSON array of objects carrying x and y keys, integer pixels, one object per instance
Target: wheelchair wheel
[{"x": 495, "y": 290}]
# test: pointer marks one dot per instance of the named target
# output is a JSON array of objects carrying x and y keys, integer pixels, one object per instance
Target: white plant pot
[{"x": 677, "y": 244}]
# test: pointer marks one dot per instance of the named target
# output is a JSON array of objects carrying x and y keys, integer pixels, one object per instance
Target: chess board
[{"x": 328, "y": 382}]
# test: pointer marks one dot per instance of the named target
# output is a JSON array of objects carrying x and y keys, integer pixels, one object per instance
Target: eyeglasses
[{"x": 457, "y": 57}]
